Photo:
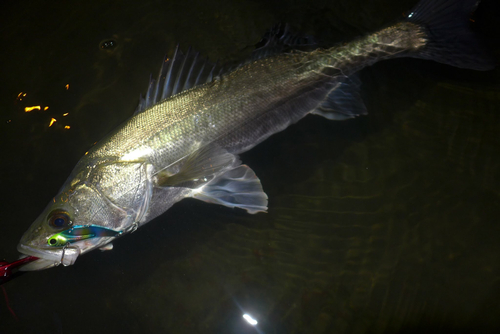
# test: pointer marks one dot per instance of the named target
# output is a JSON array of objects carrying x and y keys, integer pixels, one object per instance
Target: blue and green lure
[{"x": 81, "y": 232}]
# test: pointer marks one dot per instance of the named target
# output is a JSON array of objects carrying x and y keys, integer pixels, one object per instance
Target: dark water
[{"x": 384, "y": 224}]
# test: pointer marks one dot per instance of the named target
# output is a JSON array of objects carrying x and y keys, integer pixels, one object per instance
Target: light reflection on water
[{"x": 382, "y": 224}]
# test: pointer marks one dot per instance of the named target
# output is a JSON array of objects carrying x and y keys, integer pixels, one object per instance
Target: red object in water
[{"x": 6, "y": 268}]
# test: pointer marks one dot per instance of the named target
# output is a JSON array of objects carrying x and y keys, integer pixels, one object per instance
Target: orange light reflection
[
  {"x": 28, "y": 109},
  {"x": 20, "y": 96}
]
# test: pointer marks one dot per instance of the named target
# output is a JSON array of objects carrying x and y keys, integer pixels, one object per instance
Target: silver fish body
[{"x": 187, "y": 144}]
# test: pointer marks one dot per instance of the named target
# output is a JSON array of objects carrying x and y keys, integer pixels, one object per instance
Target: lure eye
[{"x": 59, "y": 219}]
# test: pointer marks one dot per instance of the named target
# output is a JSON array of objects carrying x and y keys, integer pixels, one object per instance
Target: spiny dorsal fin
[{"x": 178, "y": 73}]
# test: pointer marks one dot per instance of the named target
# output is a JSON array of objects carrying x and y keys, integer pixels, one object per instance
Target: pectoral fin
[
  {"x": 205, "y": 161},
  {"x": 239, "y": 187}
]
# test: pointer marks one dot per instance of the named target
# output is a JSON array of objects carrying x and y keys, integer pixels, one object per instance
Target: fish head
[
  {"x": 79, "y": 219},
  {"x": 35, "y": 241}
]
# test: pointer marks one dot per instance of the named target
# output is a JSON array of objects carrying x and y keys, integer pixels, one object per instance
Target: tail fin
[{"x": 450, "y": 39}]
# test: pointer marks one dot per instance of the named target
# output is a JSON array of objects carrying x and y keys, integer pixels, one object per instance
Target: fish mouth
[{"x": 48, "y": 257}]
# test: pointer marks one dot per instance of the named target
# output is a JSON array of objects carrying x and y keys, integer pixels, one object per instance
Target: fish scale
[{"x": 253, "y": 99}]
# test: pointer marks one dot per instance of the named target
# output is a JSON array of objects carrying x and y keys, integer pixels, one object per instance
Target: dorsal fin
[
  {"x": 184, "y": 71},
  {"x": 178, "y": 73},
  {"x": 281, "y": 38},
  {"x": 277, "y": 40}
]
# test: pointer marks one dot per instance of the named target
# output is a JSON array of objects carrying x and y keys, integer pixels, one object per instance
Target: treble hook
[{"x": 62, "y": 255}]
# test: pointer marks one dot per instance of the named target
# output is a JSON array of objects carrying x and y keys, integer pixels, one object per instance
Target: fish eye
[{"x": 59, "y": 219}]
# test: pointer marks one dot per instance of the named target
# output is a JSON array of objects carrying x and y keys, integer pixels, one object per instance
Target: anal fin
[{"x": 343, "y": 102}]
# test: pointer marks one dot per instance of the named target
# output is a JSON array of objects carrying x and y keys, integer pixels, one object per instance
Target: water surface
[{"x": 383, "y": 224}]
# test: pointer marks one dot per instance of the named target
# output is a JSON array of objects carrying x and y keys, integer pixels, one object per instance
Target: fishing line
[{"x": 8, "y": 303}]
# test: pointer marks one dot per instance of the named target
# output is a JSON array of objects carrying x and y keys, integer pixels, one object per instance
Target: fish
[{"x": 186, "y": 136}]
